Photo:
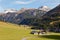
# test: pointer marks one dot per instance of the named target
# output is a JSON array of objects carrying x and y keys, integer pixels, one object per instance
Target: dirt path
[{"x": 25, "y": 38}]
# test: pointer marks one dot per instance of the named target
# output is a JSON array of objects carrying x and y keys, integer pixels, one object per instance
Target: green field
[{"x": 10, "y": 31}]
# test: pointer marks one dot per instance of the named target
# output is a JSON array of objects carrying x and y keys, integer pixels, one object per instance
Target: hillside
[
  {"x": 52, "y": 15},
  {"x": 10, "y": 31}
]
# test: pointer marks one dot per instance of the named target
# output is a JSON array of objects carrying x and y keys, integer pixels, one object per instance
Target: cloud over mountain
[{"x": 24, "y": 2}]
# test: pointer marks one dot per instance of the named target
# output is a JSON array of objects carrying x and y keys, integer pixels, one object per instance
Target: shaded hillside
[
  {"x": 55, "y": 11},
  {"x": 53, "y": 14},
  {"x": 45, "y": 20},
  {"x": 51, "y": 19}
]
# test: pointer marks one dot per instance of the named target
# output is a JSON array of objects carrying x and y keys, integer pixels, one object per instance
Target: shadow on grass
[{"x": 56, "y": 37}]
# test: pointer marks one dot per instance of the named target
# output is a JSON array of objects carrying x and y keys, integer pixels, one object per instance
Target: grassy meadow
[{"x": 10, "y": 31}]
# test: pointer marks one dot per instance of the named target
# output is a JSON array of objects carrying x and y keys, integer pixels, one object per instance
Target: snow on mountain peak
[
  {"x": 9, "y": 10},
  {"x": 44, "y": 8}
]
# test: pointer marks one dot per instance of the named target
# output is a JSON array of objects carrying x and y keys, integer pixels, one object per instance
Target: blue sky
[{"x": 18, "y": 4}]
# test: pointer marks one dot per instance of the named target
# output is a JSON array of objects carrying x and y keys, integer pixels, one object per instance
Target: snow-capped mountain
[
  {"x": 14, "y": 16},
  {"x": 9, "y": 10},
  {"x": 44, "y": 8}
]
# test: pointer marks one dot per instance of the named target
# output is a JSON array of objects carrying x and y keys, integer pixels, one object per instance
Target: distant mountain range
[
  {"x": 25, "y": 15},
  {"x": 15, "y": 16}
]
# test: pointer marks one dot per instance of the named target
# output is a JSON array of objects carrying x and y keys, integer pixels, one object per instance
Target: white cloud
[{"x": 23, "y": 2}]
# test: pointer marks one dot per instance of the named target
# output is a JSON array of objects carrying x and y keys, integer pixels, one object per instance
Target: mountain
[
  {"x": 23, "y": 15},
  {"x": 50, "y": 21},
  {"x": 44, "y": 8},
  {"x": 41, "y": 17},
  {"x": 52, "y": 15},
  {"x": 53, "y": 12}
]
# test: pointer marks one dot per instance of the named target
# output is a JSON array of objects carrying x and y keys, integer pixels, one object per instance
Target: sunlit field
[{"x": 10, "y": 31}]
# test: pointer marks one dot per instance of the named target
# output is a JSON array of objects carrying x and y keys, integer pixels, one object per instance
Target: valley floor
[{"x": 10, "y": 31}]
